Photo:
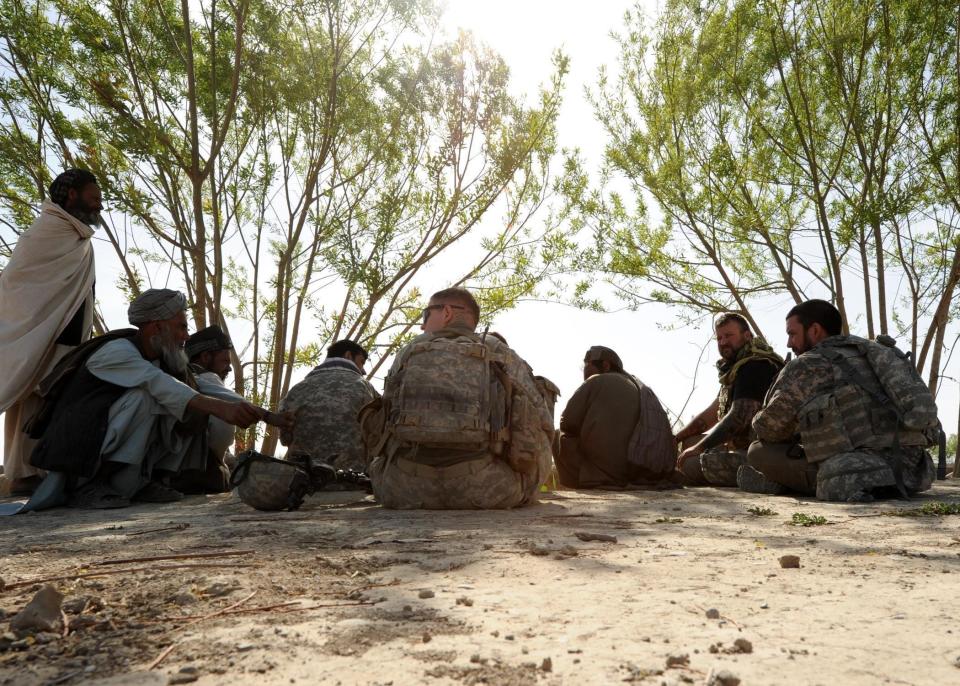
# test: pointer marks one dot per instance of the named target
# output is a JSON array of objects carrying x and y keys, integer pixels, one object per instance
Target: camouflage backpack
[
  {"x": 453, "y": 391},
  {"x": 443, "y": 395},
  {"x": 877, "y": 401}
]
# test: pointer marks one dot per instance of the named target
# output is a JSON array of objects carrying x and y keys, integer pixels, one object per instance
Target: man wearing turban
[
  {"x": 123, "y": 415},
  {"x": 46, "y": 309}
]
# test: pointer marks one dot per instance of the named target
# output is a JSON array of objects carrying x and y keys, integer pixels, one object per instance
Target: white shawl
[{"x": 48, "y": 277}]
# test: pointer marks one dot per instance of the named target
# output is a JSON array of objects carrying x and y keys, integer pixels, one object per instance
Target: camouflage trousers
[
  {"x": 851, "y": 476},
  {"x": 713, "y": 468},
  {"x": 484, "y": 484},
  {"x": 785, "y": 464}
]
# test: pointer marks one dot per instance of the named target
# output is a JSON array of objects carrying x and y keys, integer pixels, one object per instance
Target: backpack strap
[{"x": 840, "y": 360}]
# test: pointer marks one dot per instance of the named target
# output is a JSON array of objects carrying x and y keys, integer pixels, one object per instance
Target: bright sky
[{"x": 553, "y": 338}]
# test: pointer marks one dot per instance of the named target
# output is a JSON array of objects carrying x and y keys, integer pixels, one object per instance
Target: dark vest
[{"x": 72, "y": 422}]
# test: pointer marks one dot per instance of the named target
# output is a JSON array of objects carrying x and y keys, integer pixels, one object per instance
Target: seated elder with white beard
[{"x": 122, "y": 415}]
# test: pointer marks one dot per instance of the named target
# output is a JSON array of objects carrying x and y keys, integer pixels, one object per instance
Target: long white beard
[{"x": 174, "y": 358}]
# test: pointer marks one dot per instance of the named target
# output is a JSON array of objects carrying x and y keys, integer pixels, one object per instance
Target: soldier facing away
[
  {"x": 462, "y": 424},
  {"x": 326, "y": 404},
  {"x": 848, "y": 420}
]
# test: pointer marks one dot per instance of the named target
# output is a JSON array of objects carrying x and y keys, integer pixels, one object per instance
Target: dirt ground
[{"x": 344, "y": 592}]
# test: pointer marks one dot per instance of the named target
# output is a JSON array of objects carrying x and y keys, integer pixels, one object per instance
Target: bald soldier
[
  {"x": 122, "y": 414},
  {"x": 46, "y": 309}
]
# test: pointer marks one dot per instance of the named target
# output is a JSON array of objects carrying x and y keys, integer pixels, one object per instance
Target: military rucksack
[
  {"x": 882, "y": 407},
  {"x": 453, "y": 391}
]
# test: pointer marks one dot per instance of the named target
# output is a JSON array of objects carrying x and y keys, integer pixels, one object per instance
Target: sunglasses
[{"x": 425, "y": 314}]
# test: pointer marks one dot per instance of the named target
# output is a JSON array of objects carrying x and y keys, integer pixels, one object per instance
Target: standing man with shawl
[{"x": 46, "y": 309}]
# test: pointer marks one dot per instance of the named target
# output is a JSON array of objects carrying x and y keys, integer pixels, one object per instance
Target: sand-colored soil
[{"x": 370, "y": 596}]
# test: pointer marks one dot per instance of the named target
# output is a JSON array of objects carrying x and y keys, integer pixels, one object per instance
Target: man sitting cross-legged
[{"x": 122, "y": 414}]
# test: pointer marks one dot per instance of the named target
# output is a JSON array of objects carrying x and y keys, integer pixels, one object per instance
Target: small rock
[
  {"x": 464, "y": 600},
  {"x": 182, "y": 678},
  {"x": 742, "y": 645},
  {"x": 244, "y": 647},
  {"x": 678, "y": 660},
  {"x": 183, "y": 599},
  {"x": 590, "y": 536},
  {"x": 424, "y": 594},
  {"x": 714, "y": 648},
  {"x": 509, "y": 637},
  {"x": 407, "y": 609},
  {"x": 723, "y": 678},
  {"x": 790, "y": 562},
  {"x": 188, "y": 669},
  {"x": 75, "y": 606},
  {"x": 713, "y": 613},
  {"x": 3, "y": 584},
  {"x": 475, "y": 658},
  {"x": 539, "y": 551},
  {"x": 218, "y": 590},
  {"x": 427, "y": 637},
  {"x": 764, "y": 606},
  {"x": 42, "y": 613},
  {"x": 546, "y": 665},
  {"x": 45, "y": 637}
]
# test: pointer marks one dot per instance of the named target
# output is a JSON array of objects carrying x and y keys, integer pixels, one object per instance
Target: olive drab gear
[
  {"x": 755, "y": 349},
  {"x": 877, "y": 401},
  {"x": 652, "y": 445},
  {"x": 266, "y": 483}
]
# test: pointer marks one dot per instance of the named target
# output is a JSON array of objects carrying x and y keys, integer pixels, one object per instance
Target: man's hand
[
  {"x": 690, "y": 453},
  {"x": 240, "y": 413},
  {"x": 284, "y": 421}
]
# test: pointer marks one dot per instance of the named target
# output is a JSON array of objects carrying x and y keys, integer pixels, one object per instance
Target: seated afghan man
[
  {"x": 122, "y": 415},
  {"x": 613, "y": 431},
  {"x": 849, "y": 419},
  {"x": 462, "y": 424},
  {"x": 747, "y": 367},
  {"x": 209, "y": 353},
  {"x": 326, "y": 404}
]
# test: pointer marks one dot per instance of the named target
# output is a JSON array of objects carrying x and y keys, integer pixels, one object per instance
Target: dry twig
[
  {"x": 84, "y": 575},
  {"x": 181, "y": 556}
]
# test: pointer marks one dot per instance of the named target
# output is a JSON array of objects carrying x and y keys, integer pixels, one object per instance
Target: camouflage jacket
[
  {"x": 326, "y": 404},
  {"x": 812, "y": 393}
]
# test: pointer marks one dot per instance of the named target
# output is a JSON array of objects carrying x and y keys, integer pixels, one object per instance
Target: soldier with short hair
[
  {"x": 462, "y": 423},
  {"x": 848, "y": 420},
  {"x": 326, "y": 404},
  {"x": 746, "y": 368}
]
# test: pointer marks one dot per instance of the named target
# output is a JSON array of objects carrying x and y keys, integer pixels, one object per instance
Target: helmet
[{"x": 267, "y": 483}]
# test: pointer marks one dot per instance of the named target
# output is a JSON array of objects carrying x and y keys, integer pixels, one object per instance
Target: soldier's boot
[{"x": 753, "y": 481}]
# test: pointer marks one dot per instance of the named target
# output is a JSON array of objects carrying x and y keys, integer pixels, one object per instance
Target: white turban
[{"x": 156, "y": 305}]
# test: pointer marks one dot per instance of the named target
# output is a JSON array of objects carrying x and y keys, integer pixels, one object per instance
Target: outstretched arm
[{"x": 702, "y": 422}]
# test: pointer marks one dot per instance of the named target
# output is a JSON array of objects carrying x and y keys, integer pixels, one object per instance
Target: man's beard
[
  {"x": 88, "y": 217},
  {"x": 171, "y": 355}
]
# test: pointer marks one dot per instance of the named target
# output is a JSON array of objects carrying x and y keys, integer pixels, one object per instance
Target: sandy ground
[{"x": 348, "y": 593}]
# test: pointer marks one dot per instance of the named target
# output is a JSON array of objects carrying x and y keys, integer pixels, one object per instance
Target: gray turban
[
  {"x": 156, "y": 305},
  {"x": 600, "y": 353}
]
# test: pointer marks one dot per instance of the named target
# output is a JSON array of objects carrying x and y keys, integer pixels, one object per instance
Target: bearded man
[
  {"x": 122, "y": 415},
  {"x": 46, "y": 309},
  {"x": 747, "y": 367}
]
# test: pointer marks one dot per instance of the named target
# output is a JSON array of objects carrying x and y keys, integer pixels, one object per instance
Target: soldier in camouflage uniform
[
  {"x": 746, "y": 368},
  {"x": 477, "y": 458},
  {"x": 859, "y": 408},
  {"x": 326, "y": 404}
]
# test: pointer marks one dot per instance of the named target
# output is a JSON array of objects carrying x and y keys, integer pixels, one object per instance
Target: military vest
[
  {"x": 755, "y": 349},
  {"x": 875, "y": 400}
]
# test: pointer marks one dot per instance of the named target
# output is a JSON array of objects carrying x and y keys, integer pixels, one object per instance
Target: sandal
[{"x": 97, "y": 496}]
